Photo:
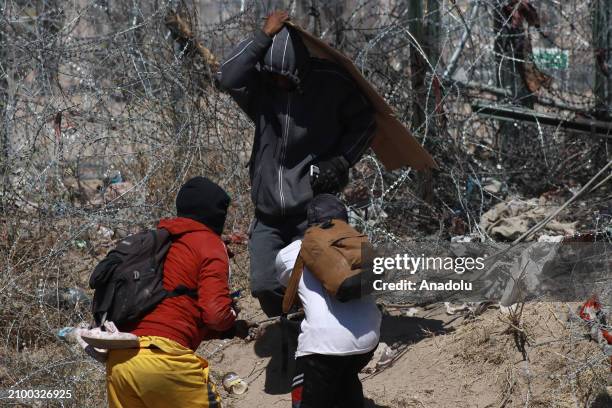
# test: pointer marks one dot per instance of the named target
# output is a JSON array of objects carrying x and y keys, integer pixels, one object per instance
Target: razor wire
[{"x": 104, "y": 116}]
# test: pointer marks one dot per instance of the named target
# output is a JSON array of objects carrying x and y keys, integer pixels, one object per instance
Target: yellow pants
[{"x": 161, "y": 373}]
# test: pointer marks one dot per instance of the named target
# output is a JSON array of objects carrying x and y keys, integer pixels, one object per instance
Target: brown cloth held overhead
[{"x": 393, "y": 143}]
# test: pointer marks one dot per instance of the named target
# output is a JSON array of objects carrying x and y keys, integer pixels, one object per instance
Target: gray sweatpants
[{"x": 268, "y": 236}]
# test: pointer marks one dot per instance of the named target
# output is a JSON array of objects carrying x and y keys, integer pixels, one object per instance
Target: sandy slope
[{"x": 447, "y": 362}]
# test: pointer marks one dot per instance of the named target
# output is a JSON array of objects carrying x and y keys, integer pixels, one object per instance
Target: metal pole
[
  {"x": 602, "y": 44},
  {"x": 424, "y": 26}
]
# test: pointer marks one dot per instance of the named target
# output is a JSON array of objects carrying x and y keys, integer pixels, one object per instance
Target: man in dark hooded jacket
[{"x": 311, "y": 125}]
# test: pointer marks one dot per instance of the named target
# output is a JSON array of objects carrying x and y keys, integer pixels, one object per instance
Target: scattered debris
[
  {"x": 522, "y": 15},
  {"x": 386, "y": 358},
  {"x": 473, "y": 308},
  {"x": 109, "y": 337},
  {"x": 98, "y": 191},
  {"x": 383, "y": 357},
  {"x": 73, "y": 335},
  {"x": 491, "y": 185},
  {"x": 410, "y": 312},
  {"x": 237, "y": 238},
  {"x": 65, "y": 298},
  {"x": 459, "y": 239},
  {"x": 592, "y": 313},
  {"x": 234, "y": 384},
  {"x": 183, "y": 35},
  {"x": 65, "y": 333},
  {"x": 105, "y": 232},
  {"x": 550, "y": 238},
  {"x": 80, "y": 243},
  {"x": 114, "y": 177},
  {"x": 113, "y": 192},
  {"x": 511, "y": 219},
  {"x": 452, "y": 309},
  {"x": 508, "y": 310}
]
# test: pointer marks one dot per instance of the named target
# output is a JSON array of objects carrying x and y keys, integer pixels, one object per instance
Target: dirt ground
[{"x": 445, "y": 361}]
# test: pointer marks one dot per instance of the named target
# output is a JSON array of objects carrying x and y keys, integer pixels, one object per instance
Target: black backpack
[{"x": 128, "y": 282}]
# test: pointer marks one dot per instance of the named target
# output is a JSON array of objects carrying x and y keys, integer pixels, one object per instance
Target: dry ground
[{"x": 448, "y": 362}]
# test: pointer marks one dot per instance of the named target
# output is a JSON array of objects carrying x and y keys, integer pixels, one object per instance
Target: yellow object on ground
[{"x": 161, "y": 373}]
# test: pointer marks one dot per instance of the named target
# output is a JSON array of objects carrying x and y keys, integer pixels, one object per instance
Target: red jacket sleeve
[{"x": 213, "y": 289}]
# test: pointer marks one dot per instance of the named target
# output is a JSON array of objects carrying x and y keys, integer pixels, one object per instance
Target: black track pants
[{"x": 323, "y": 381}]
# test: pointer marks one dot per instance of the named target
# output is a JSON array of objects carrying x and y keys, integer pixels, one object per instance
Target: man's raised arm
[{"x": 237, "y": 73}]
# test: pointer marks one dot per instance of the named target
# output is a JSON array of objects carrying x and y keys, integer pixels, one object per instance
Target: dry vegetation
[
  {"x": 91, "y": 89},
  {"x": 560, "y": 367}
]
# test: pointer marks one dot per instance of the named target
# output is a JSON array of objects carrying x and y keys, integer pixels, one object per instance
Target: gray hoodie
[{"x": 324, "y": 116}]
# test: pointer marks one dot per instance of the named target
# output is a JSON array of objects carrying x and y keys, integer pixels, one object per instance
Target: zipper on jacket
[{"x": 285, "y": 137}]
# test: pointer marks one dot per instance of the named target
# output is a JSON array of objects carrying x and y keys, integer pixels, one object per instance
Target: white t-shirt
[{"x": 329, "y": 327}]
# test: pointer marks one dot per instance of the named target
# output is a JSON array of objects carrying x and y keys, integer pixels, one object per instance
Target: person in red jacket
[{"x": 165, "y": 371}]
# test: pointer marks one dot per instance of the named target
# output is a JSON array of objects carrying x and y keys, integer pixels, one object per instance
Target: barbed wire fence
[{"x": 105, "y": 112}]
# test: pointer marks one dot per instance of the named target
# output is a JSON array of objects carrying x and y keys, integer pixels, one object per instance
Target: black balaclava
[
  {"x": 204, "y": 201},
  {"x": 325, "y": 207}
]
